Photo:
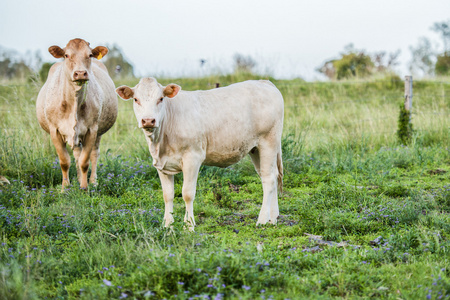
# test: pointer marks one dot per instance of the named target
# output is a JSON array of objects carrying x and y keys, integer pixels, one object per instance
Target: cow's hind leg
[
  {"x": 76, "y": 154},
  {"x": 191, "y": 167},
  {"x": 167, "y": 184},
  {"x": 269, "y": 176},
  {"x": 94, "y": 157}
]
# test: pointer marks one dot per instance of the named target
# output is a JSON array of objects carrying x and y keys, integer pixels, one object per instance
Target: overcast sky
[{"x": 287, "y": 38}]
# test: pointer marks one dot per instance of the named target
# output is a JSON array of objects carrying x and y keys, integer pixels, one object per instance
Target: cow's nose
[
  {"x": 80, "y": 75},
  {"x": 148, "y": 123}
]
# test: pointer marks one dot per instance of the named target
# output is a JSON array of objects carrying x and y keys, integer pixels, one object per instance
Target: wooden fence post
[{"x": 408, "y": 93}]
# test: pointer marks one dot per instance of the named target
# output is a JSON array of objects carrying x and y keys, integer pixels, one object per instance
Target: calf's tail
[{"x": 280, "y": 172}]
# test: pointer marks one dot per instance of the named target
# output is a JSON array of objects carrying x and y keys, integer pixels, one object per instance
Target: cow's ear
[
  {"x": 56, "y": 51},
  {"x": 125, "y": 92},
  {"x": 171, "y": 90},
  {"x": 99, "y": 52}
]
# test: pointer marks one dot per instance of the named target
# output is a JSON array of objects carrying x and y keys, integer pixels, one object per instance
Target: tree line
[
  {"x": 428, "y": 59},
  {"x": 14, "y": 66}
]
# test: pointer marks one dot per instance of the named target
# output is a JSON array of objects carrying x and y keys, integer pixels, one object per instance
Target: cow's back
[
  {"x": 228, "y": 122},
  {"x": 109, "y": 104}
]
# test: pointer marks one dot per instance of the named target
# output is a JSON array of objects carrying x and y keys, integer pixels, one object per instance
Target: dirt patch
[{"x": 437, "y": 172}]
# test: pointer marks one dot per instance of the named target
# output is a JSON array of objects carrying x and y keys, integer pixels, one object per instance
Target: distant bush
[
  {"x": 355, "y": 63},
  {"x": 116, "y": 63},
  {"x": 442, "y": 66},
  {"x": 43, "y": 72}
]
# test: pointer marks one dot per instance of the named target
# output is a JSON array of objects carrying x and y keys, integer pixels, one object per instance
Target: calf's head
[
  {"x": 77, "y": 58},
  {"x": 149, "y": 101}
]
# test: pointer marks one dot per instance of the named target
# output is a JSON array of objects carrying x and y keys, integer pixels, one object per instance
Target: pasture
[{"x": 361, "y": 215}]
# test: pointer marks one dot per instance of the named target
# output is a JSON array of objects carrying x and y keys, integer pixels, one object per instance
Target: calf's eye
[{"x": 137, "y": 101}]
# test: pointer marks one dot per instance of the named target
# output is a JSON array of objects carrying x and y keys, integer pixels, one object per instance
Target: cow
[
  {"x": 76, "y": 106},
  {"x": 218, "y": 127}
]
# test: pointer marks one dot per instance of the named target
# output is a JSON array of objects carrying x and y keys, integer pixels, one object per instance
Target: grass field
[{"x": 362, "y": 216}]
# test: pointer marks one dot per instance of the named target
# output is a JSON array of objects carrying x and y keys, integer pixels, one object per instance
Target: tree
[
  {"x": 352, "y": 63},
  {"x": 12, "y": 66},
  {"x": 117, "y": 65},
  {"x": 423, "y": 57},
  {"x": 442, "y": 66},
  {"x": 243, "y": 64},
  {"x": 443, "y": 28}
]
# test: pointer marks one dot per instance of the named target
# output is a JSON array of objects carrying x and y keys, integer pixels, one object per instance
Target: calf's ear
[
  {"x": 171, "y": 90},
  {"x": 125, "y": 92},
  {"x": 99, "y": 52},
  {"x": 56, "y": 51}
]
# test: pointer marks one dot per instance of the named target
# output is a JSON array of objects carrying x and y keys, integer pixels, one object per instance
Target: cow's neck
[
  {"x": 156, "y": 143},
  {"x": 80, "y": 93}
]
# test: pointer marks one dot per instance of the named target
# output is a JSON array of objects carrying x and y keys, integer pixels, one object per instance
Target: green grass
[{"x": 347, "y": 179}]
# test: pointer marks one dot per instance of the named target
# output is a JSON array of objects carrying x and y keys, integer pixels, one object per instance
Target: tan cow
[
  {"x": 76, "y": 105},
  {"x": 218, "y": 127}
]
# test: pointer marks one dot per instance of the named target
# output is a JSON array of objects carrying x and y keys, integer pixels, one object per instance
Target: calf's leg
[{"x": 168, "y": 194}]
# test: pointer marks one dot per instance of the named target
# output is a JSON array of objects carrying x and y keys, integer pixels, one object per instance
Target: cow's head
[
  {"x": 149, "y": 101},
  {"x": 77, "y": 58}
]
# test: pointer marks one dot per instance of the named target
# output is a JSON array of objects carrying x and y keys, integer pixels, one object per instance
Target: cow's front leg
[
  {"x": 88, "y": 144},
  {"x": 63, "y": 154},
  {"x": 168, "y": 194},
  {"x": 191, "y": 166}
]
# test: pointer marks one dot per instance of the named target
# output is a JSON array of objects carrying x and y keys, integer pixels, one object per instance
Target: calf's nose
[
  {"x": 80, "y": 75},
  {"x": 148, "y": 123}
]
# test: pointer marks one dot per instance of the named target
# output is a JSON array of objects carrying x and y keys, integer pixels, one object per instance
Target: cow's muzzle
[
  {"x": 148, "y": 123},
  {"x": 80, "y": 76}
]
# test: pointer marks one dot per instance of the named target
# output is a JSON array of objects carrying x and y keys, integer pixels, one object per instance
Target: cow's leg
[
  {"x": 94, "y": 157},
  {"x": 76, "y": 154},
  {"x": 168, "y": 194},
  {"x": 191, "y": 166},
  {"x": 63, "y": 154},
  {"x": 254, "y": 155},
  {"x": 269, "y": 173},
  {"x": 88, "y": 144}
]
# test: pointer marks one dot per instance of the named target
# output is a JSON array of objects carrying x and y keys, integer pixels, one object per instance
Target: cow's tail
[{"x": 280, "y": 171}]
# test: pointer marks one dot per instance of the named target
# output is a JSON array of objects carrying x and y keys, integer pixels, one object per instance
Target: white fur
[{"x": 216, "y": 128}]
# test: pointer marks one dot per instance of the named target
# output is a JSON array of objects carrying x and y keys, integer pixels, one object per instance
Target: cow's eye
[
  {"x": 137, "y": 101},
  {"x": 91, "y": 55},
  {"x": 160, "y": 100},
  {"x": 66, "y": 55}
]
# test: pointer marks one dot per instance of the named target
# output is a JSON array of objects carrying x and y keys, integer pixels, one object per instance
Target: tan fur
[
  {"x": 77, "y": 114},
  {"x": 171, "y": 90},
  {"x": 124, "y": 92}
]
